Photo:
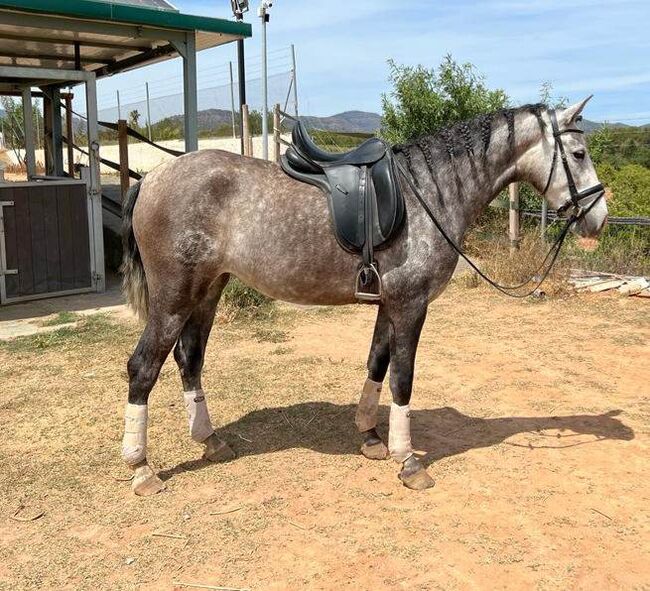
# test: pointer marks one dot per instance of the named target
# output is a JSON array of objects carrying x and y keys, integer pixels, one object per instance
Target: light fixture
[{"x": 239, "y": 7}]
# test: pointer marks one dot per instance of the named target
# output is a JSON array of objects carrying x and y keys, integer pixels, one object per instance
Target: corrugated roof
[{"x": 127, "y": 13}]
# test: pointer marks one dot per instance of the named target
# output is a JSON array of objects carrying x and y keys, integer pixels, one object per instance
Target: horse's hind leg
[
  {"x": 189, "y": 354},
  {"x": 373, "y": 447},
  {"x": 163, "y": 328}
]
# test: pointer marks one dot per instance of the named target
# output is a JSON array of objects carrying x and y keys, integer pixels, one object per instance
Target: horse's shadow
[{"x": 329, "y": 428}]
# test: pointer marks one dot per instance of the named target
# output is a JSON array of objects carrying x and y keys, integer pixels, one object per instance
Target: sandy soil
[{"x": 533, "y": 417}]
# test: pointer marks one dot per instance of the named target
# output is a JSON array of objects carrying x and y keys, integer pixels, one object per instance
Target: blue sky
[{"x": 580, "y": 46}]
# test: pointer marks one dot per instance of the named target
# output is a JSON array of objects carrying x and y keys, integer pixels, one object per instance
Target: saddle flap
[{"x": 347, "y": 204}]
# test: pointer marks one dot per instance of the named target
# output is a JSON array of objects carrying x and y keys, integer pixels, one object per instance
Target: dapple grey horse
[{"x": 194, "y": 222}]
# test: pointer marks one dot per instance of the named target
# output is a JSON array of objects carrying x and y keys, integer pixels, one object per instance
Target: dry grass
[
  {"x": 512, "y": 267},
  {"x": 533, "y": 432}
]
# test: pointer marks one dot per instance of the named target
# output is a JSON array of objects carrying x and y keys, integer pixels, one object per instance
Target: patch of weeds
[
  {"x": 61, "y": 318},
  {"x": 271, "y": 335},
  {"x": 469, "y": 279},
  {"x": 88, "y": 331},
  {"x": 282, "y": 350}
]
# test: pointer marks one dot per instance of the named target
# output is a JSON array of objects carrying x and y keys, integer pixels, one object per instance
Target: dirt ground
[{"x": 533, "y": 417}]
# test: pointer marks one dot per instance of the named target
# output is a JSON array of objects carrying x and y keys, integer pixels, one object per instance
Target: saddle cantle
[{"x": 365, "y": 201}]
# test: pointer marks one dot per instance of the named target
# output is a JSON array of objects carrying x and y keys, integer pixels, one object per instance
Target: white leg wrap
[
  {"x": 134, "y": 443},
  {"x": 366, "y": 417},
  {"x": 399, "y": 433},
  {"x": 197, "y": 415}
]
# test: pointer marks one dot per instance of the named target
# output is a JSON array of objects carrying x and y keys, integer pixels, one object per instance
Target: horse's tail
[{"x": 134, "y": 281}]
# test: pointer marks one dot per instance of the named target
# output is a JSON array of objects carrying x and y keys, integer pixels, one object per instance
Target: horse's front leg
[
  {"x": 373, "y": 447},
  {"x": 405, "y": 328}
]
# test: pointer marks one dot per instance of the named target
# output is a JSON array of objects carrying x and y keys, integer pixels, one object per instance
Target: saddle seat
[{"x": 365, "y": 202}]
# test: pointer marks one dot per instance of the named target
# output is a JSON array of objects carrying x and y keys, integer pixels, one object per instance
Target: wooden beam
[
  {"x": 72, "y": 42},
  {"x": 276, "y": 131},
  {"x": 123, "y": 143},
  {"x": 54, "y": 57},
  {"x": 514, "y": 219},
  {"x": 69, "y": 132}
]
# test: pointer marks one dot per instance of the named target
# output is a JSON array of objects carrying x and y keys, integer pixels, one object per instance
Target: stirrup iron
[{"x": 360, "y": 291}]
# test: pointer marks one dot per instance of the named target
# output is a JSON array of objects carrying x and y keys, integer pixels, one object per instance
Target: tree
[
  {"x": 600, "y": 144},
  {"x": 13, "y": 126},
  {"x": 546, "y": 97},
  {"x": 134, "y": 118},
  {"x": 423, "y": 100}
]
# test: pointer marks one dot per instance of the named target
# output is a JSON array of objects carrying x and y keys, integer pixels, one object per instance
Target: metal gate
[{"x": 46, "y": 240}]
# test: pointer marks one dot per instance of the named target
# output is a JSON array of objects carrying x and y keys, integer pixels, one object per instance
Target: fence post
[
  {"x": 513, "y": 193},
  {"x": 123, "y": 143},
  {"x": 246, "y": 130},
  {"x": 276, "y": 131},
  {"x": 544, "y": 218}
]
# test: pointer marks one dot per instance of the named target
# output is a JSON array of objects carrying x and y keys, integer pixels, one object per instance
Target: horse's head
[{"x": 561, "y": 169}]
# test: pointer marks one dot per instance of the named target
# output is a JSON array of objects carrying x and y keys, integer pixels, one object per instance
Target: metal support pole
[
  {"x": 190, "y": 95},
  {"x": 119, "y": 106},
  {"x": 241, "y": 75},
  {"x": 544, "y": 217},
  {"x": 232, "y": 102},
  {"x": 294, "y": 79},
  {"x": 146, "y": 85},
  {"x": 28, "y": 126},
  {"x": 94, "y": 187},
  {"x": 513, "y": 192},
  {"x": 265, "y": 90}
]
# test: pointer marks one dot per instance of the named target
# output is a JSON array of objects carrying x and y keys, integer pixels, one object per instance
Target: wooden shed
[{"x": 51, "y": 232}]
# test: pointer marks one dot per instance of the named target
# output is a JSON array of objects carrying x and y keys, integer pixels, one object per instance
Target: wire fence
[{"x": 158, "y": 107}]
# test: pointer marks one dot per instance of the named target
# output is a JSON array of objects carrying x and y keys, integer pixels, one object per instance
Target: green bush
[
  {"x": 425, "y": 100},
  {"x": 630, "y": 188}
]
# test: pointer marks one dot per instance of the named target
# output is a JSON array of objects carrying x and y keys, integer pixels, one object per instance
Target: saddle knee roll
[
  {"x": 399, "y": 433},
  {"x": 134, "y": 442},
  {"x": 198, "y": 416},
  {"x": 366, "y": 417}
]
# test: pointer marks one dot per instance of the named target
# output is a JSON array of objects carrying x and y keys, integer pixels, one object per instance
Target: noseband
[{"x": 578, "y": 204}]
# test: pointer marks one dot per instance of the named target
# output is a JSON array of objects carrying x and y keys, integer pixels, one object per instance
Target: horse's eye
[{"x": 579, "y": 154}]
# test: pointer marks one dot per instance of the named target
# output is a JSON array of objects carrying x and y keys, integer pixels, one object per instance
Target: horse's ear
[{"x": 569, "y": 115}]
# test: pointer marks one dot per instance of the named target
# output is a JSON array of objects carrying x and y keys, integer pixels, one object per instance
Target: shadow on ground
[{"x": 329, "y": 428}]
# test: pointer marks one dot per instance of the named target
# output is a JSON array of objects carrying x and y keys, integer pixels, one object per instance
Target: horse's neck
[{"x": 473, "y": 181}]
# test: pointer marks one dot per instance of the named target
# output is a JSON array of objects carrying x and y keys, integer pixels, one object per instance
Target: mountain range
[{"x": 348, "y": 121}]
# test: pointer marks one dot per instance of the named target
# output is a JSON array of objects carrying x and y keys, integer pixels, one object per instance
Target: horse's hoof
[
  {"x": 375, "y": 450},
  {"x": 145, "y": 482},
  {"x": 415, "y": 476},
  {"x": 217, "y": 450}
]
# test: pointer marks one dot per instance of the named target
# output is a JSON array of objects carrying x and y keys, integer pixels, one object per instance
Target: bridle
[
  {"x": 572, "y": 210},
  {"x": 575, "y": 206}
]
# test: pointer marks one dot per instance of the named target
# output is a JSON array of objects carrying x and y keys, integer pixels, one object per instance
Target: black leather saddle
[{"x": 365, "y": 201}]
